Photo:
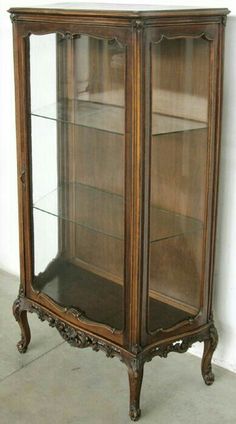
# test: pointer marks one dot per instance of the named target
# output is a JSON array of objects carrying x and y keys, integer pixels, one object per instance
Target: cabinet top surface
[{"x": 84, "y": 8}]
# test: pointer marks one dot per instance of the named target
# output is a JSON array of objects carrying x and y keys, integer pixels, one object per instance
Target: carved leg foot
[
  {"x": 20, "y": 315},
  {"x": 135, "y": 372},
  {"x": 209, "y": 348}
]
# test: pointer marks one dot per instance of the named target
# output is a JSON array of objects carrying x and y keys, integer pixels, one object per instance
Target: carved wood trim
[
  {"x": 74, "y": 336},
  {"x": 138, "y": 24},
  {"x": 13, "y": 17},
  {"x": 180, "y": 346},
  {"x": 67, "y": 35},
  {"x": 70, "y": 334},
  {"x": 204, "y": 35},
  {"x": 70, "y": 30},
  {"x": 18, "y": 303},
  {"x": 135, "y": 360},
  {"x": 224, "y": 20}
]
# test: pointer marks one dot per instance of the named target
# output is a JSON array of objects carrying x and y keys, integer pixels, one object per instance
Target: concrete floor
[{"x": 54, "y": 383}]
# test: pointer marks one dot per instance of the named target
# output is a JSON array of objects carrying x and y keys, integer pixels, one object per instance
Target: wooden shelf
[
  {"x": 99, "y": 298},
  {"x": 110, "y": 118},
  {"x": 109, "y": 215}
]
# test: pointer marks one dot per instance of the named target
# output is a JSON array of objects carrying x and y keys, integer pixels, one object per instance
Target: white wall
[
  {"x": 225, "y": 272},
  {"x": 225, "y": 268}
]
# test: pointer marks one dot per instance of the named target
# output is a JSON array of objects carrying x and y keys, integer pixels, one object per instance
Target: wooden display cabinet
[{"x": 118, "y": 131}]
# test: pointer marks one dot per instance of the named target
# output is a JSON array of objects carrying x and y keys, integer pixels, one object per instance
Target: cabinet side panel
[{"x": 182, "y": 160}]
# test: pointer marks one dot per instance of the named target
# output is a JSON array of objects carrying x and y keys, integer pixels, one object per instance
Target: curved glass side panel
[
  {"x": 180, "y": 86},
  {"x": 78, "y": 126}
]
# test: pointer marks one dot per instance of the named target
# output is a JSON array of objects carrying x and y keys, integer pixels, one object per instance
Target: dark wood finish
[
  {"x": 124, "y": 10},
  {"x": 97, "y": 298},
  {"x": 135, "y": 373},
  {"x": 209, "y": 347},
  {"x": 20, "y": 315},
  {"x": 108, "y": 302}
]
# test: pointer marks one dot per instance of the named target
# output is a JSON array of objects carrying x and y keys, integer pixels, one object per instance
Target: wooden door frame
[{"x": 214, "y": 34}]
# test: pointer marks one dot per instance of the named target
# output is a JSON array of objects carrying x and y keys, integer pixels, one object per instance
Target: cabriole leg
[
  {"x": 20, "y": 315},
  {"x": 209, "y": 348},
  {"x": 135, "y": 372}
]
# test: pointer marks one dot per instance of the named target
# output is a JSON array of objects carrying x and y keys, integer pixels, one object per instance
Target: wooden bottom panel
[
  {"x": 99, "y": 298},
  {"x": 175, "y": 270}
]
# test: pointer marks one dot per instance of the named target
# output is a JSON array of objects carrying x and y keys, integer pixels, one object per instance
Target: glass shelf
[
  {"x": 110, "y": 118},
  {"x": 83, "y": 200}
]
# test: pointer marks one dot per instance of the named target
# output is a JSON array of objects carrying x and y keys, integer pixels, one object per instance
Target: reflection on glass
[
  {"x": 180, "y": 70},
  {"x": 77, "y": 120}
]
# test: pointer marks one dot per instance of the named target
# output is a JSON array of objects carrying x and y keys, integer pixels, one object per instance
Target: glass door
[
  {"x": 78, "y": 156},
  {"x": 179, "y": 149}
]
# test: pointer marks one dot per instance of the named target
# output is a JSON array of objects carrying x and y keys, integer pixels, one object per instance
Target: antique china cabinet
[{"x": 118, "y": 114}]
